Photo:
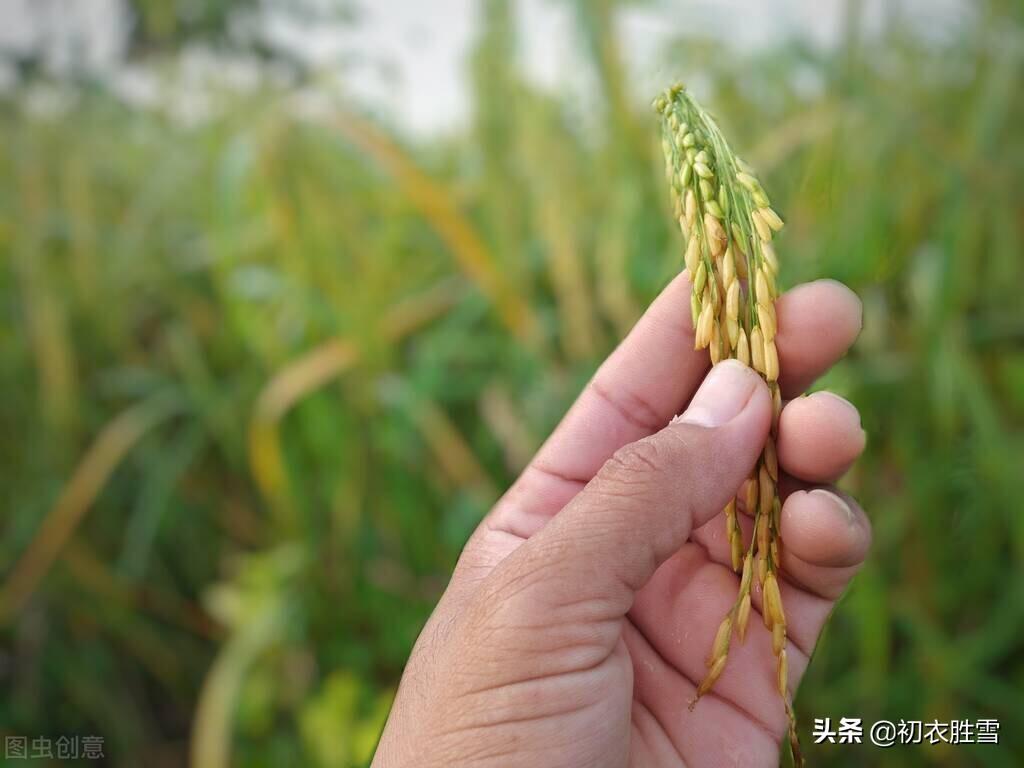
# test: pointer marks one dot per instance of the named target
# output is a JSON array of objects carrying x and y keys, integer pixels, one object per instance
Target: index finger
[{"x": 651, "y": 376}]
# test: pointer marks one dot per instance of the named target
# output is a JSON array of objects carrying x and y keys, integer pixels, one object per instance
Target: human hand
[{"x": 580, "y": 615}]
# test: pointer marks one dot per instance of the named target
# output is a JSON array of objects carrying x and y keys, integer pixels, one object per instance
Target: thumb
[{"x": 642, "y": 505}]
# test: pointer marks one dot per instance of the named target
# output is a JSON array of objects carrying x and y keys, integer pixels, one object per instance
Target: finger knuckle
[
  {"x": 634, "y": 464},
  {"x": 635, "y": 474}
]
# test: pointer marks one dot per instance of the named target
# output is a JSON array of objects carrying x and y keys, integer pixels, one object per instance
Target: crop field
[{"x": 263, "y": 373}]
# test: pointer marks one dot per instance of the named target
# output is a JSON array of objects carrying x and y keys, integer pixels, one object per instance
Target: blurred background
[{"x": 290, "y": 291}]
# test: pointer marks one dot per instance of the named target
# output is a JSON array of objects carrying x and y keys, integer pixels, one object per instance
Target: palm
[
  {"x": 638, "y": 695},
  {"x": 668, "y": 634}
]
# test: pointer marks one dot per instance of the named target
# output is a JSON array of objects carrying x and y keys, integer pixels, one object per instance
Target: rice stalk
[
  {"x": 46, "y": 313},
  {"x": 453, "y": 453},
  {"x": 440, "y": 209},
  {"x": 313, "y": 370},
  {"x": 506, "y": 422},
  {"x": 728, "y": 222},
  {"x": 103, "y": 457},
  {"x": 611, "y": 255}
]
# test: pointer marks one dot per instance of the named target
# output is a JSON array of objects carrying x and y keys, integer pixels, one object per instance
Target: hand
[{"x": 581, "y": 612}]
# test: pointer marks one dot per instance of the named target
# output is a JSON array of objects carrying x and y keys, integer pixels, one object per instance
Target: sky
[
  {"x": 409, "y": 54},
  {"x": 414, "y": 51}
]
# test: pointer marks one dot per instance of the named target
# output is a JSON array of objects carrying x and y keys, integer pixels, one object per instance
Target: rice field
[{"x": 263, "y": 374}]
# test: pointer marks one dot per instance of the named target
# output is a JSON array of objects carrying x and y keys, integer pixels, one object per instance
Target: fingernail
[
  {"x": 835, "y": 501},
  {"x": 843, "y": 402},
  {"x": 723, "y": 395}
]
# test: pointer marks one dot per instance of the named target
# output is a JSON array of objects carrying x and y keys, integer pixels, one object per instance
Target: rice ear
[{"x": 724, "y": 211}]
